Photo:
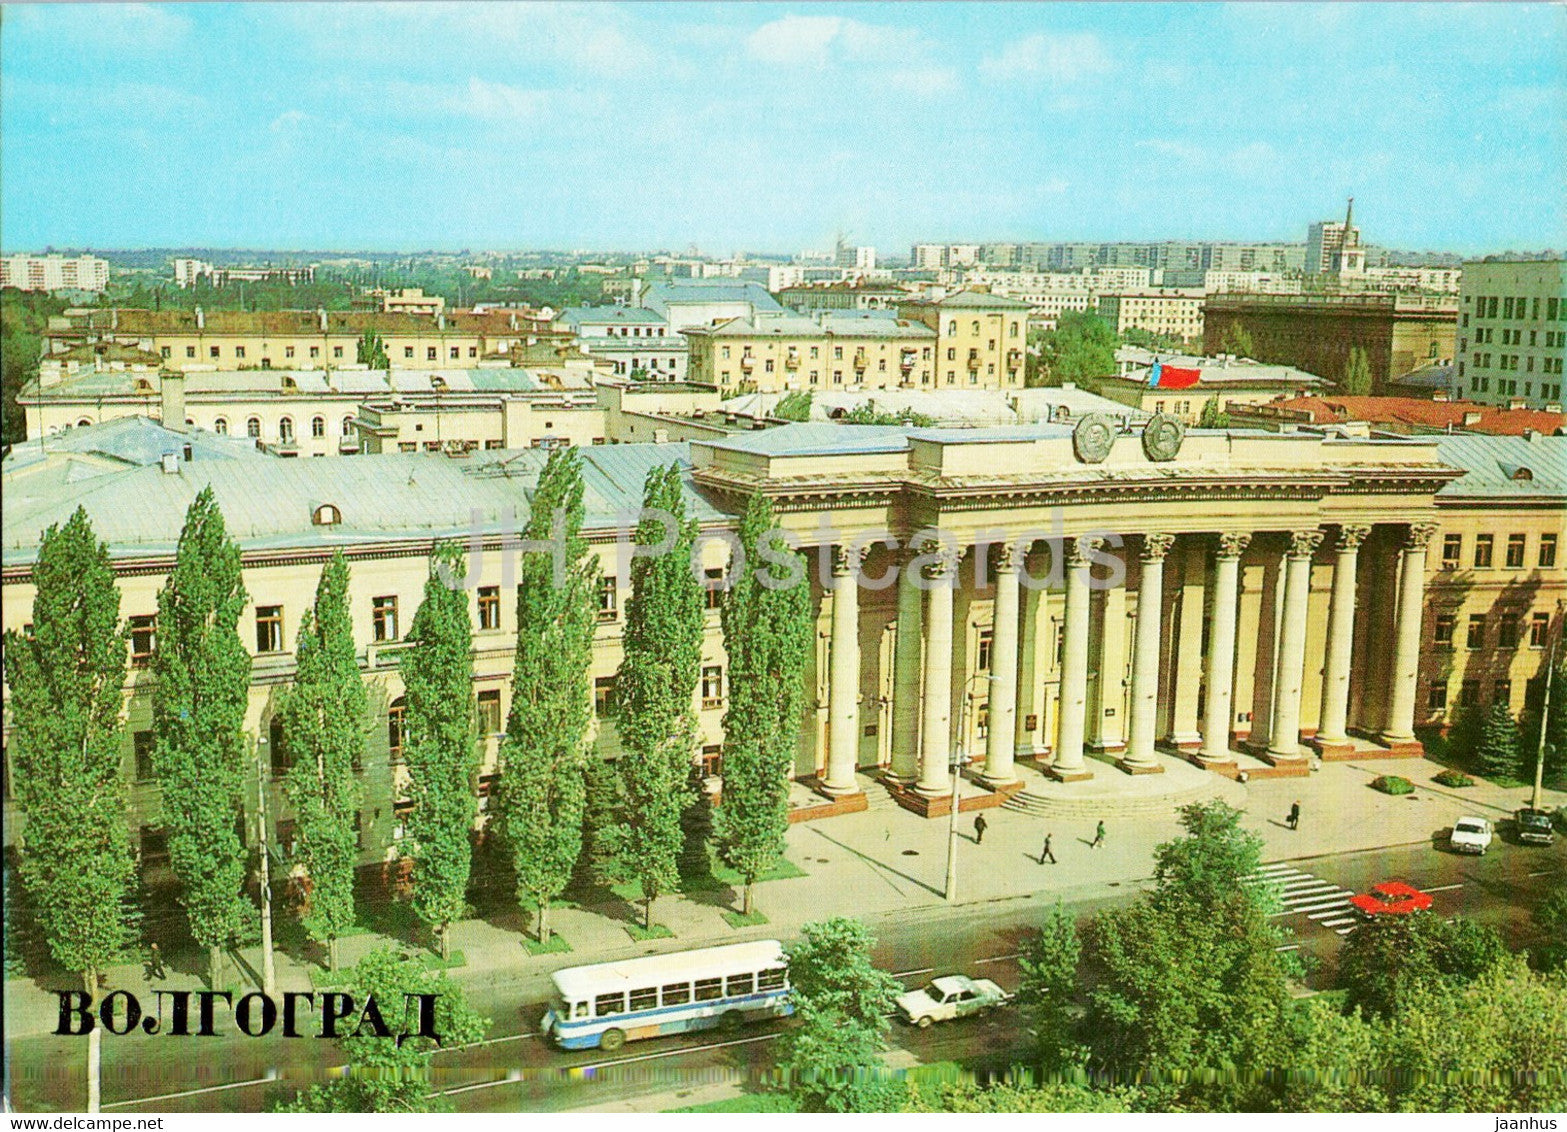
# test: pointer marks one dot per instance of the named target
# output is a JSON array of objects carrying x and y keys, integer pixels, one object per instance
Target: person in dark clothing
[
  {"x": 1045, "y": 854},
  {"x": 1294, "y": 818},
  {"x": 980, "y": 825},
  {"x": 155, "y": 963},
  {"x": 1099, "y": 837}
]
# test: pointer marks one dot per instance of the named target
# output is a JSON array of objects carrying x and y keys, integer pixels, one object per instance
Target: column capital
[
  {"x": 1303, "y": 544},
  {"x": 1009, "y": 557},
  {"x": 1419, "y": 536},
  {"x": 1350, "y": 536},
  {"x": 1078, "y": 550},
  {"x": 848, "y": 559},
  {"x": 1233, "y": 544},
  {"x": 1155, "y": 547},
  {"x": 944, "y": 560}
]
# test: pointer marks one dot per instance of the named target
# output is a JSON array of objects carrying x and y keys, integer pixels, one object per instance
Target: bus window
[
  {"x": 644, "y": 998},
  {"x": 739, "y": 984},
  {"x": 606, "y": 1004},
  {"x": 677, "y": 993},
  {"x": 709, "y": 989},
  {"x": 771, "y": 979},
  {"x": 579, "y": 1010}
]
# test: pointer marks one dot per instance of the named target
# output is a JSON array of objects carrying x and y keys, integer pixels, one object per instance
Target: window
[
  {"x": 1436, "y": 699},
  {"x": 429, "y": 354},
  {"x": 982, "y": 653},
  {"x": 490, "y": 712},
  {"x": 489, "y": 607},
  {"x": 713, "y": 592},
  {"x": 1476, "y": 638},
  {"x": 214, "y": 352},
  {"x": 253, "y": 428},
  {"x": 1452, "y": 550},
  {"x": 348, "y": 426},
  {"x": 603, "y": 696},
  {"x": 456, "y": 352},
  {"x": 384, "y": 616},
  {"x": 709, "y": 990},
  {"x": 712, "y": 760},
  {"x": 239, "y": 351},
  {"x": 1444, "y": 629},
  {"x": 675, "y": 994},
  {"x": 606, "y": 599},
  {"x": 318, "y": 427},
  {"x": 288, "y": 351},
  {"x": 281, "y": 759},
  {"x": 1502, "y": 693},
  {"x": 1548, "y": 549},
  {"x": 712, "y": 686},
  {"x": 1469, "y": 693},
  {"x": 220, "y": 426},
  {"x": 487, "y": 785},
  {"x": 315, "y": 352},
  {"x": 1483, "y": 550},
  {"x": 607, "y": 1004},
  {"x": 285, "y": 430},
  {"x": 772, "y": 979},
  {"x": 1515, "y": 546},
  {"x": 190, "y": 351},
  {"x": 396, "y": 717},
  {"x": 736, "y": 985},
  {"x": 1539, "y": 629},
  {"x": 644, "y": 998},
  {"x": 1507, "y": 633},
  {"x": 164, "y": 351},
  {"x": 144, "y": 633},
  {"x": 269, "y": 628},
  {"x": 141, "y": 744},
  {"x": 337, "y": 351}
]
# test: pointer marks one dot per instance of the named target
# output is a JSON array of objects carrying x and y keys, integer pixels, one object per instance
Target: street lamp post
[
  {"x": 268, "y": 967},
  {"x": 1545, "y": 715},
  {"x": 951, "y": 893}
]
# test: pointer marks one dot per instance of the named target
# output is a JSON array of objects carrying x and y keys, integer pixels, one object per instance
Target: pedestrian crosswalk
[{"x": 1301, "y": 893}]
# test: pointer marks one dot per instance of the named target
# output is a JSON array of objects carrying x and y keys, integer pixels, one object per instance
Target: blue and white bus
[{"x": 608, "y": 1004}]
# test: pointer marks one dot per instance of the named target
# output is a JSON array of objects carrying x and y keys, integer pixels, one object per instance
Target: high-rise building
[
  {"x": 54, "y": 272},
  {"x": 1512, "y": 332},
  {"x": 1334, "y": 248}
]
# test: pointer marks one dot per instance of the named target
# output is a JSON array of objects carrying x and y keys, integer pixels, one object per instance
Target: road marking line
[
  {"x": 569, "y": 1069},
  {"x": 1344, "y": 931},
  {"x": 1338, "y": 910},
  {"x": 1308, "y": 891},
  {"x": 269, "y": 1078},
  {"x": 916, "y": 971},
  {"x": 1275, "y": 867},
  {"x": 1338, "y": 923},
  {"x": 1318, "y": 906},
  {"x": 996, "y": 959},
  {"x": 1446, "y": 887}
]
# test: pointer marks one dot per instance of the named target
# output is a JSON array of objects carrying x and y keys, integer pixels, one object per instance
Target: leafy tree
[
  {"x": 1236, "y": 341},
  {"x": 439, "y": 746},
  {"x": 1383, "y": 962},
  {"x": 662, "y": 656},
  {"x": 1208, "y": 865},
  {"x": 1498, "y": 751},
  {"x": 767, "y": 636},
  {"x": 1212, "y": 415},
  {"x": 372, "y": 351},
  {"x": 832, "y": 1060},
  {"x": 866, "y": 413},
  {"x": 198, "y": 710},
  {"x": 1049, "y": 965},
  {"x": 325, "y": 718},
  {"x": 1080, "y": 349},
  {"x": 1357, "y": 373},
  {"x": 1551, "y": 918},
  {"x": 599, "y": 862},
  {"x": 794, "y": 406},
  {"x": 67, "y": 680},
  {"x": 1148, "y": 340},
  {"x": 540, "y": 804},
  {"x": 1013, "y": 1096},
  {"x": 23, "y": 316},
  {"x": 383, "y": 1074}
]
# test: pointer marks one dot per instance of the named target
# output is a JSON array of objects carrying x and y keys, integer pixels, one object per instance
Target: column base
[
  {"x": 1217, "y": 764},
  {"x": 839, "y": 791},
  {"x": 1330, "y": 749},
  {"x": 1000, "y": 781},
  {"x": 1400, "y": 747},
  {"x": 1075, "y": 774},
  {"x": 944, "y": 791},
  {"x": 1113, "y": 747},
  {"x": 897, "y": 778},
  {"x": 1184, "y": 740},
  {"x": 1138, "y": 768},
  {"x": 1283, "y": 758}
]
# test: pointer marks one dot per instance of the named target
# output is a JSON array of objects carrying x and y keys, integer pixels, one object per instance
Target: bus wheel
[
  {"x": 730, "y": 1021},
  {"x": 612, "y": 1039}
]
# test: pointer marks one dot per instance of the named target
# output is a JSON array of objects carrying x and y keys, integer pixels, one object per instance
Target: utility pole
[
  {"x": 1545, "y": 714},
  {"x": 951, "y": 892},
  {"x": 268, "y": 967}
]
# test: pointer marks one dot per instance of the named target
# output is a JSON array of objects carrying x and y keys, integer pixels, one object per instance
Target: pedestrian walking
[
  {"x": 155, "y": 963},
  {"x": 1099, "y": 837},
  {"x": 1045, "y": 854},
  {"x": 1294, "y": 818},
  {"x": 980, "y": 825}
]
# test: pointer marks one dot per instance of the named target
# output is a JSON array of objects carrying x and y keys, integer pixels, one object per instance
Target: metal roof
[
  {"x": 1505, "y": 466},
  {"x": 577, "y": 983}
]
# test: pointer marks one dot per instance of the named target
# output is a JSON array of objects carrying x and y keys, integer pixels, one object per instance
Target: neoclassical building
[{"x": 1076, "y": 597}]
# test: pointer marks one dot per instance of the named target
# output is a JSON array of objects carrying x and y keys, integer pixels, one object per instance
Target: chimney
[
  {"x": 321, "y": 318},
  {"x": 172, "y": 409},
  {"x": 1472, "y": 417},
  {"x": 201, "y": 319},
  {"x": 1440, "y": 396},
  {"x": 440, "y": 320},
  {"x": 171, "y": 463}
]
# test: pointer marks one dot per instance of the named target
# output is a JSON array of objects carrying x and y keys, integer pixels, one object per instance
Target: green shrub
[
  {"x": 1393, "y": 784},
  {"x": 1453, "y": 778}
]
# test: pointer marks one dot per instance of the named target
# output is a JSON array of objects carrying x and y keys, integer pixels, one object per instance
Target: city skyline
[{"x": 724, "y": 127}]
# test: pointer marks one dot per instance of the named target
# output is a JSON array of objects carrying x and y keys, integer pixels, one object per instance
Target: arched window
[
  {"x": 976, "y": 327},
  {"x": 1013, "y": 332},
  {"x": 348, "y": 426},
  {"x": 318, "y": 427},
  {"x": 285, "y": 430},
  {"x": 253, "y": 427},
  {"x": 952, "y": 327},
  {"x": 84, "y": 422},
  {"x": 221, "y": 426},
  {"x": 327, "y": 515}
]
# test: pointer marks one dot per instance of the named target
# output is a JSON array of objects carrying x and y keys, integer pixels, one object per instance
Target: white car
[
  {"x": 1470, "y": 835},
  {"x": 951, "y": 996}
]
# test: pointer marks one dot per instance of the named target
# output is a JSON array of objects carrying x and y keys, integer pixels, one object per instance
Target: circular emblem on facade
[
  {"x": 1162, "y": 437},
  {"x": 1092, "y": 438}
]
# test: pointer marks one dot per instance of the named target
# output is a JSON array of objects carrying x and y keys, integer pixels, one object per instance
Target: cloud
[
  {"x": 794, "y": 41},
  {"x": 1058, "y": 59},
  {"x": 288, "y": 120},
  {"x": 122, "y": 27},
  {"x": 500, "y": 101}
]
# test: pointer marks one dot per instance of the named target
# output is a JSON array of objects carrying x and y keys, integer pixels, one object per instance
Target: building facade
[
  {"x": 54, "y": 272},
  {"x": 1512, "y": 332},
  {"x": 1173, "y": 314},
  {"x": 833, "y": 351},
  {"x": 981, "y": 338}
]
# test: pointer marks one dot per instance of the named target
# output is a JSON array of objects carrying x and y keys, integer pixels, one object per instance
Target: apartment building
[
  {"x": 836, "y": 350},
  {"x": 635, "y": 341},
  {"x": 981, "y": 341},
  {"x": 1512, "y": 332},
  {"x": 1173, "y": 313},
  {"x": 54, "y": 272}
]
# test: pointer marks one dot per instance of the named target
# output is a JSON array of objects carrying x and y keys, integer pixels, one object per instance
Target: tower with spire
[{"x": 1334, "y": 248}]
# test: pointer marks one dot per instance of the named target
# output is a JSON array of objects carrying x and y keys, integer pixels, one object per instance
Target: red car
[{"x": 1391, "y": 898}]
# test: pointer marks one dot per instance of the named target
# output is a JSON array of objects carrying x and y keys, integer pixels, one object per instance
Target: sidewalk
[{"x": 885, "y": 862}]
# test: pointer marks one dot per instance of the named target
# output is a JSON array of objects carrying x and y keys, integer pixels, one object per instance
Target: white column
[
  {"x": 1284, "y": 733},
  {"x": 936, "y": 722},
  {"x": 1139, "y": 757},
  {"x": 843, "y": 662},
  {"x": 1218, "y": 712},
  {"x": 1068, "y": 761},
  {"x": 907, "y": 658},
  {"x": 1333, "y": 724},
  {"x": 1406, "y": 647},
  {"x": 1001, "y": 736}
]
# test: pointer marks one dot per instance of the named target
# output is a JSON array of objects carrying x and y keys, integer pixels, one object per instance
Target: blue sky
[{"x": 771, "y": 127}]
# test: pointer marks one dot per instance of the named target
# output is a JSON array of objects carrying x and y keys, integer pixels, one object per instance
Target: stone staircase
[{"x": 1042, "y": 802}]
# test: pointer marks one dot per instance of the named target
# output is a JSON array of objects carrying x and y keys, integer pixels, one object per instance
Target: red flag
[{"x": 1171, "y": 377}]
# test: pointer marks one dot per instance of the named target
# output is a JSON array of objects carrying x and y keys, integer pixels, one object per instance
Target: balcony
[
  {"x": 748, "y": 362},
  {"x": 973, "y": 360},
  {"x": 860, "y": 362},
  {"x": 792, "y": 361}
]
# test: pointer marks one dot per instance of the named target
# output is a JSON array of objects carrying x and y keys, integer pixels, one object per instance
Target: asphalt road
[{"x": 514, "y": 1070}]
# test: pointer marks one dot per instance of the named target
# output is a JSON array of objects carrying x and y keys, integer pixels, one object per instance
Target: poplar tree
[
  {"x": 67, "y": 681},
  {"x": 324, "y": 725},
  {"x": 541, "y": 800},
  {"x": 439, "y": 747},
  {"x": 767, "y": 636},
  {"x": 198, "y": 712},
  {"x": 655, "y": 687}
]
